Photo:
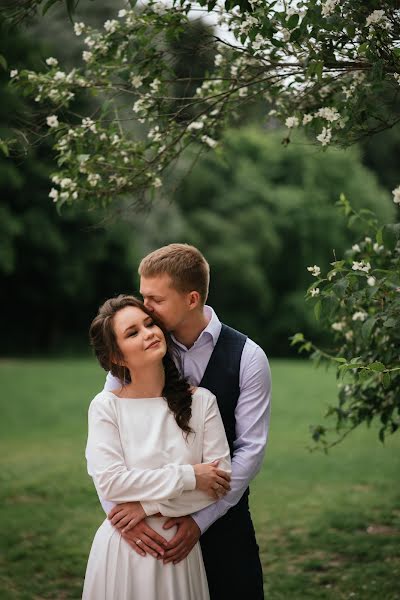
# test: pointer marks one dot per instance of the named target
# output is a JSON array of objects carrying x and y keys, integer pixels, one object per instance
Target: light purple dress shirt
[{"x": 252, "y": 411}]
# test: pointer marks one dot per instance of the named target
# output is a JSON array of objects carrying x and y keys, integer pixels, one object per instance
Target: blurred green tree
[
  {"x": 262, "y": 213},
  {"x": 54, "y": 271}
]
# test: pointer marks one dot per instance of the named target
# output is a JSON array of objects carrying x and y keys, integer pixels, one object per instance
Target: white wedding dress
[{"x": 136, "y": 451}]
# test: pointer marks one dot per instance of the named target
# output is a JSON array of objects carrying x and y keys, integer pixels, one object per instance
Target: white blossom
[
  {"x": 53, "y": 194},
  {"x": 314, "y": 292},
  {"x": 13, "y": 73},
  {"x": 328, "y": 7},
  {"x": 139, "y": 105},
  {"x": 371, "y": 281},
  {"x": 243, "y": 91},
  {"x": 339, "y": 325},
  {"x": 349, "y": 335},
  {"x": 157, "y": 182},
  {"x": 396, "y": 195},
  {"x": 66, "y": 183},
  {"x": 209, "y": 141},
  {"x": 378, "y": 17},
  {"x": 307, "y": 119},
  {"x": 292, "y": 122},
  {"x": 325, "y": 136},
  {"x": 87, "y": 56},
  {"x": 122, "y": 13},
  {"x": 397, "y": 77},
  {"x": 93, "y": 179},
  {"x": 136, "y": 81},
  {"x": 356, "y": 248},
  {"x": 195, "y": 125},
  {"x": 89, "y": 124},
  {"x": 79, "y": 28},
  {"x": 154, "y": 134},
  {"x": 155, "y": 85},
  {"x": 111, "y": 25},
  {"x": 377, "y": 248},
  {"x": 329, "y": 114},
  {"x": 218, "y": 60},
  {"x": 59, "y": 76},
  {"x": 315, "y": 271},
  {"x": 52, "y": 121},
  {"x": 361, "y": 266},
  {"x": 52, "y": 62},
  {"x": 360, "y": 315},
  {"x": 367, "y": 240},
  {"x": 89, "y": 41}
]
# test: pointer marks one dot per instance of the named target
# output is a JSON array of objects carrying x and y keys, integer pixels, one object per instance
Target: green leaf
[
  {"x": 386, "y": 380},
  {"x": 293, "y": 21},
  {"x": 364, "y": 374},
  {"x": 4, "y": 148},
  {"x": 296, "y": 339},
  {"x": 362, "y": 48},
  {"x": 367, "y": 328},
  {"x": 339, "y": 359},
  {"x": 3, "y": 62},
  {"x": 379, "y": 236},
  {"x": 390, "y": 322},
  {"x": 377, "y": 366},
  {"x": 391, "y": 234},
  {"x": 48, "y": 5},
  {"x": 71, "y": 5},
  {"x": 317, "y": 310}
]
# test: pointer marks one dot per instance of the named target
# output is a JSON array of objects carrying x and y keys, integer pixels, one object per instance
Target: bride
[{"x": 154, "y": 441}]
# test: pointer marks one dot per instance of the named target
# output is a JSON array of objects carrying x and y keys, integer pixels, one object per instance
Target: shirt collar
[{"x": 212, "y": 330}]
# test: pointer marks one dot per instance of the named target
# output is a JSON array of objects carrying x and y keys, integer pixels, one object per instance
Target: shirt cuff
[
  {"x": 188, "y": 477},
  {"x": 150, "y": 508}
]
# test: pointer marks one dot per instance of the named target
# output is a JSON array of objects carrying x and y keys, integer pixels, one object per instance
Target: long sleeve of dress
[
  {"x": 215, "y": 446},
  {"x": 106, "y": 464}
]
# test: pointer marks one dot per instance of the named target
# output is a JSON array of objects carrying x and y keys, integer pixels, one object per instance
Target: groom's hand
[{"x": 186, "y": 537}]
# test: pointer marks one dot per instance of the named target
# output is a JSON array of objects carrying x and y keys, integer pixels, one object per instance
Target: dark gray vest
[
  {"x": 221, "y": 376},
  {"x": 229, "y": 546}
]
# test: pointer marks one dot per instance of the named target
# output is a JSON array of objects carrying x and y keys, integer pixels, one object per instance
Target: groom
[{"x": 174, "y": 283}]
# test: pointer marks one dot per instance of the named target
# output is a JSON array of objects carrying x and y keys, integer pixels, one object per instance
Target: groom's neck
[{"x": 190, "y": 328}]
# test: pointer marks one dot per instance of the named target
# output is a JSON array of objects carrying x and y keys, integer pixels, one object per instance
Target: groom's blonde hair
[{"x": 187, "y": 267}]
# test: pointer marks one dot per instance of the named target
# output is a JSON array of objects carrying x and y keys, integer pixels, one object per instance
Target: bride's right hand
[{"x": 212, "y": 480}]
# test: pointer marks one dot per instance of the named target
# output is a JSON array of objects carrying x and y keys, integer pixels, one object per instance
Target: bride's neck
[{"x": 147, "y": 382}]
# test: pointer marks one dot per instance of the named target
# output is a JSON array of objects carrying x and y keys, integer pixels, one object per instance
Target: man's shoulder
[{"x": 250, "y": 348}]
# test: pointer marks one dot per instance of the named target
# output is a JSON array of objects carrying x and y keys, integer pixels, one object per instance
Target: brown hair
[
  {"x": 185, "y": 264},
  {"x": 102, "y": 337}
]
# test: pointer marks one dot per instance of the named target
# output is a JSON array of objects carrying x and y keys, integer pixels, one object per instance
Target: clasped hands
[{"x": 129, "y": 518}]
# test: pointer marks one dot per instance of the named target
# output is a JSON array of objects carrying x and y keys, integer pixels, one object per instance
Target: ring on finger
[{"x": 139, "y": 541}]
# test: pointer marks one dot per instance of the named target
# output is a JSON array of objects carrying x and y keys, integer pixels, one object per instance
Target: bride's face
[{"x": 139, "y": 339}]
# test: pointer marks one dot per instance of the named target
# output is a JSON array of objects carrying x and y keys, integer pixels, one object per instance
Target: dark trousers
[{"x": 231, "y": 557}]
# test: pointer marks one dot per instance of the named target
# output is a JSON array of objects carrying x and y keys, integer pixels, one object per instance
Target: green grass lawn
[{"x": 328, "y": 526}]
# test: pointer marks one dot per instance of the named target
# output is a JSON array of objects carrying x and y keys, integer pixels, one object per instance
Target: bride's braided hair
[{"x": 177, "y": 391}]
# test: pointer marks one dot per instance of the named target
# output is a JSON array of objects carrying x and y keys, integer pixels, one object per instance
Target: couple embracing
[{"x": 174, "y": 440}]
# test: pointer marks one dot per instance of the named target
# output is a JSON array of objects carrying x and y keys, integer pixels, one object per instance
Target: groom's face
[{"x": 168, "y": 304}]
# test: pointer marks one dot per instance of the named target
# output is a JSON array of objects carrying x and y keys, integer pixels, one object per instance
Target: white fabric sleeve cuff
[
  {"x": 150, "y": 508},
  {"x": 188, "y": 478}
]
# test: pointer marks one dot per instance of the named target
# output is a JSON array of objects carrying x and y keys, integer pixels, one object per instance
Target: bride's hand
[
  {"x": 126, "y": 515},
  {"x": 212, "y": 480}
]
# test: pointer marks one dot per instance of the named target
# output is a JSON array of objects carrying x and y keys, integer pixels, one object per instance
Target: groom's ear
[{"x": 194, "y": 299}]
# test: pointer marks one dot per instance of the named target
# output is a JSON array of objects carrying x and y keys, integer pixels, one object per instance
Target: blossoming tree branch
[{"x": 320, "y": 65}]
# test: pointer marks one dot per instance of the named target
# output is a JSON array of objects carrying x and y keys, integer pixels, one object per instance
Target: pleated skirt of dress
[{"x": 116, "y": 572}]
